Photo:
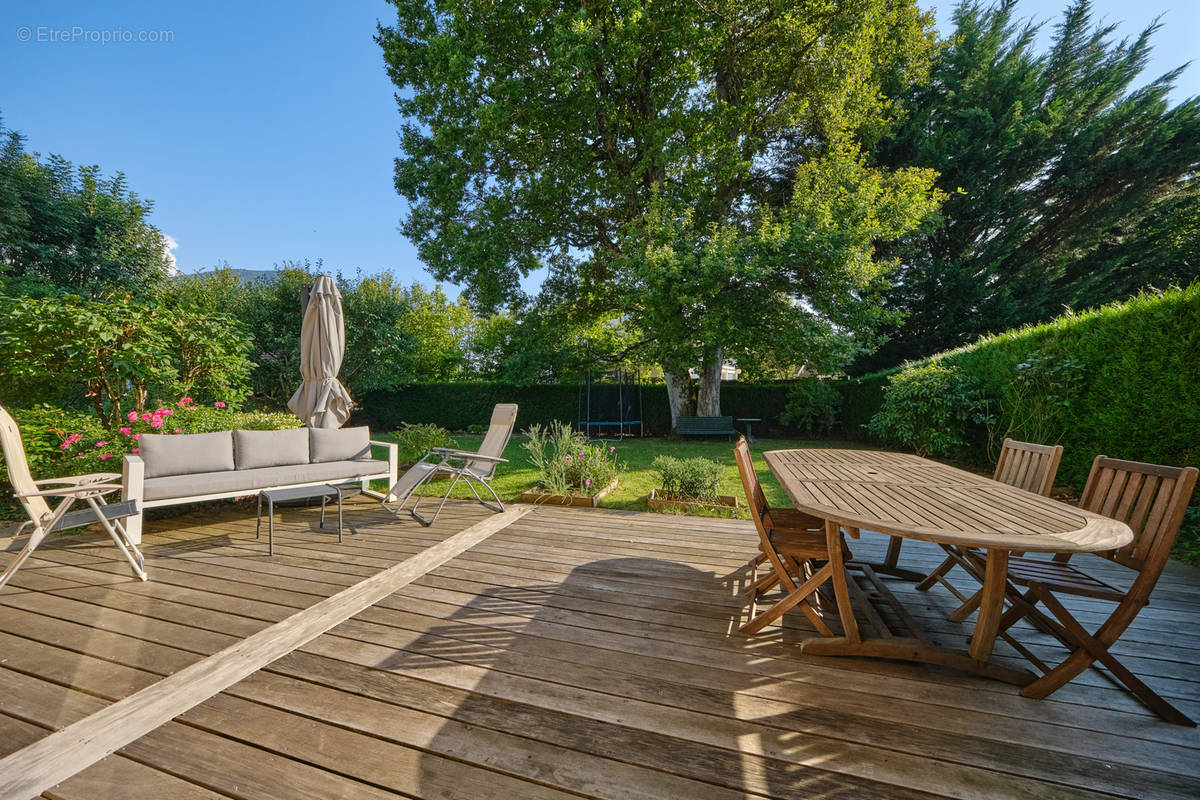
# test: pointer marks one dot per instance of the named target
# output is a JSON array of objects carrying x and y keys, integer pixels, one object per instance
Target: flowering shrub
[
  {"x": 60, "y": 442},
  {"x": 567, "y": 463},
  {"x": 118, "y": 353}
]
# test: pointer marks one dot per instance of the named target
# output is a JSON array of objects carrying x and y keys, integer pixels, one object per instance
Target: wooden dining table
[{"x": 915, "y": 498}]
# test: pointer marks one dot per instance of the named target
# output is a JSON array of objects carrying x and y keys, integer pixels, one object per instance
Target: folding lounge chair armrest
[
  {"x": 93, "y": 477},
  {"x": 68, "y": 491},
  {"x": 467, "y": 455}
]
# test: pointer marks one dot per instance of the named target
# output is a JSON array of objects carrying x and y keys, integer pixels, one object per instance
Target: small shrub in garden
[
  {"x": 566, "y": 463},
  {"x": 688, "y": 478},
  {"x": 927, "y": 408},
  {"x": 812, "y": 406},
  {"x": 417, "y": 440}
]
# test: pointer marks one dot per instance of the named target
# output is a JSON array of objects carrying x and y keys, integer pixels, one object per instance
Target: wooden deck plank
[
  {"x": 62, "y": 754},
  {"x": 593, "y": 642}
]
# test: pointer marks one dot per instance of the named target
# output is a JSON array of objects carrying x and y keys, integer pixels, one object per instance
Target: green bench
[{"x": 705, "y": 426}]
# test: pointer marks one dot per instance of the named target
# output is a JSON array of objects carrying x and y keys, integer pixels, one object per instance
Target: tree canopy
[
  {"x": 693, "y": 168},
  {"x": 72, "y": 228},
  {"x": 1067, "y": 185}
]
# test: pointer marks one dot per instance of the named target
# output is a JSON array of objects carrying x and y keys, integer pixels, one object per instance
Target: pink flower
[
  {"x": 105, "y": 455},
  {"x": 133, "y": 416},
  {"x": 588, "y": 482},
  {"x": 101, "y": 444},
  {"x": 185, "y": 401},
  {"x": 134, "y": 451},
  {"x": 566, "y": 458},
  {"x": 179, "y": 430},
  {"x": 146, "y": 416},
  {"x": 126, "y": 431},
  {"x": 64, "y": 445},
  {"x": 136, "y": 436},
  {"x": 166, "y": 412},
  {"x": 612, "y": 449},
  {"x": 218, "y": 404},
  {"x": 156, "y": 423}
]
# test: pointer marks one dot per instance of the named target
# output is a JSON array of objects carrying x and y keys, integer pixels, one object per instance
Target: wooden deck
[{"x": 575, "y": 653}]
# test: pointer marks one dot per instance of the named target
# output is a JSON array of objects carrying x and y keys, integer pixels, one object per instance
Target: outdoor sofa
[{"x": 191, "y": 468}]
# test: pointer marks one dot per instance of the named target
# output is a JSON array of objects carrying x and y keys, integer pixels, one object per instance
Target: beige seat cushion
[{"x": 252, "y": 480}]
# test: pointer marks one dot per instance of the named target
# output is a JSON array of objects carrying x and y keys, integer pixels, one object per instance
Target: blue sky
[{"x": 266, "y": 131}]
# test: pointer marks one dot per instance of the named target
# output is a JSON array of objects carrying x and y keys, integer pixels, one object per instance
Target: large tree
[
  {"x": 1067, "y": 186},
  {"x": 692, "y": 167},
  {"x": 72, "y": 228}
]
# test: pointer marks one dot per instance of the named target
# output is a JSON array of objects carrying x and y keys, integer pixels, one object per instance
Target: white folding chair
[{"x": 89, "y": 488}]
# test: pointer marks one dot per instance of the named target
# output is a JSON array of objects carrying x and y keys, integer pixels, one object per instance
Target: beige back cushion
[
  {"x": 338, "y": 444},
  {"x": 257, "y": 449},
  {"x": 186, "y": 454}
]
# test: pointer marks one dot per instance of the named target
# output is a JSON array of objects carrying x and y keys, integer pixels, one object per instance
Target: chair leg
[
  {"x": 797, "y": 596},
  {"x": 35, "y": 539},
  {"x": 969, "y": 607},
  {"x": 117, "y": 533},
  {"x": 932, "y": 578},
  {"x": 1089, "y": 650}
]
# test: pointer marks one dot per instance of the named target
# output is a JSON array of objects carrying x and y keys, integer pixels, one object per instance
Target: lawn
[{"x": 636, "y": 477}]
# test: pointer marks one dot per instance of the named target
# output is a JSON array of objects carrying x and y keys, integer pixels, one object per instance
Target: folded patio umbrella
[{"x": 321, "y": 401}]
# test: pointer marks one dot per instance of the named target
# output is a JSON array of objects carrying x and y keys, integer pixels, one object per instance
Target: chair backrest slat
[
  {"x": 18, "y": 467},
  {"x": 1150, "y": 499},
  {"x": 1028, "y": 466},
  {"x": 754, "y": 493}
]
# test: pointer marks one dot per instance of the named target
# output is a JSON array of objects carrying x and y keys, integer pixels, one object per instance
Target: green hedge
[
  {"x": 460, "y": 405},
  {"x": 1122, "y": 380}
]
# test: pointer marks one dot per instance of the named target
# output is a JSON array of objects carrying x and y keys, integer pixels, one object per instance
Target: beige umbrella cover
[{"x": 321, "y": 401}]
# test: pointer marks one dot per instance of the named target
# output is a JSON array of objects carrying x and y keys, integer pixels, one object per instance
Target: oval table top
[{"x": 913, "y": 497}]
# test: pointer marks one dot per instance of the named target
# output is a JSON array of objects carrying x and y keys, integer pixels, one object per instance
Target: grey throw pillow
[
  {"x": 186, "y": 454},
  {"x": 256, "y": 449},
  {"x": 338, "y": 444}
]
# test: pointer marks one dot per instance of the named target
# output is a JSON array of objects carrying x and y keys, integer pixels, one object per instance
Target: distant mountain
[
  {"x": 257, "y": 275},
  {"x": 249, "y": 275}
]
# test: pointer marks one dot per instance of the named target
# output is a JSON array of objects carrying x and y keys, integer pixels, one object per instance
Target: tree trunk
[
  {"x": 708, "y": 396},
  {"x": 679, "y": 394}
]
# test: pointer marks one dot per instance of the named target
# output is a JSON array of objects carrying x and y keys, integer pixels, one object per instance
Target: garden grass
[{"x": 636, "y": 477}]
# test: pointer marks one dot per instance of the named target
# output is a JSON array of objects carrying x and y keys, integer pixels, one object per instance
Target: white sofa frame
[{"x": 133, "y": 476}]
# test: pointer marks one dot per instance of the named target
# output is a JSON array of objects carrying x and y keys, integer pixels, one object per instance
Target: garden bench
[{"x": 705, "y": 426}]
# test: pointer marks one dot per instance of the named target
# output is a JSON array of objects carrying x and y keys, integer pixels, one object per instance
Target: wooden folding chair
[
  {"x": 1027, "y": 466},
  {"x": 91, "y": 489},
  {"x": 1150, "y": 499},
  {"x": 794, "y": 544}
]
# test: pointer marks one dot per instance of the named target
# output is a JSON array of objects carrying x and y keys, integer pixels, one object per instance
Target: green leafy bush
[
  {"x": 116, "y": 354},
  {"x": 689, "y": 478},
  {"x": 812, "y": 406},
  {"x": 417, "y": 440},
  {"x": 566, "y": 463},
  {"x": 928, "y": 408}
]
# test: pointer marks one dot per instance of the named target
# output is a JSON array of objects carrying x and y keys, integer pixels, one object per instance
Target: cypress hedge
[{"x": 1122, "y": 380}]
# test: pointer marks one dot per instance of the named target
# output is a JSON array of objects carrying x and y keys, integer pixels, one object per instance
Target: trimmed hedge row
[
  {"x": 1122, "y": 380},
  {"x": 459, "y": 405}
]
